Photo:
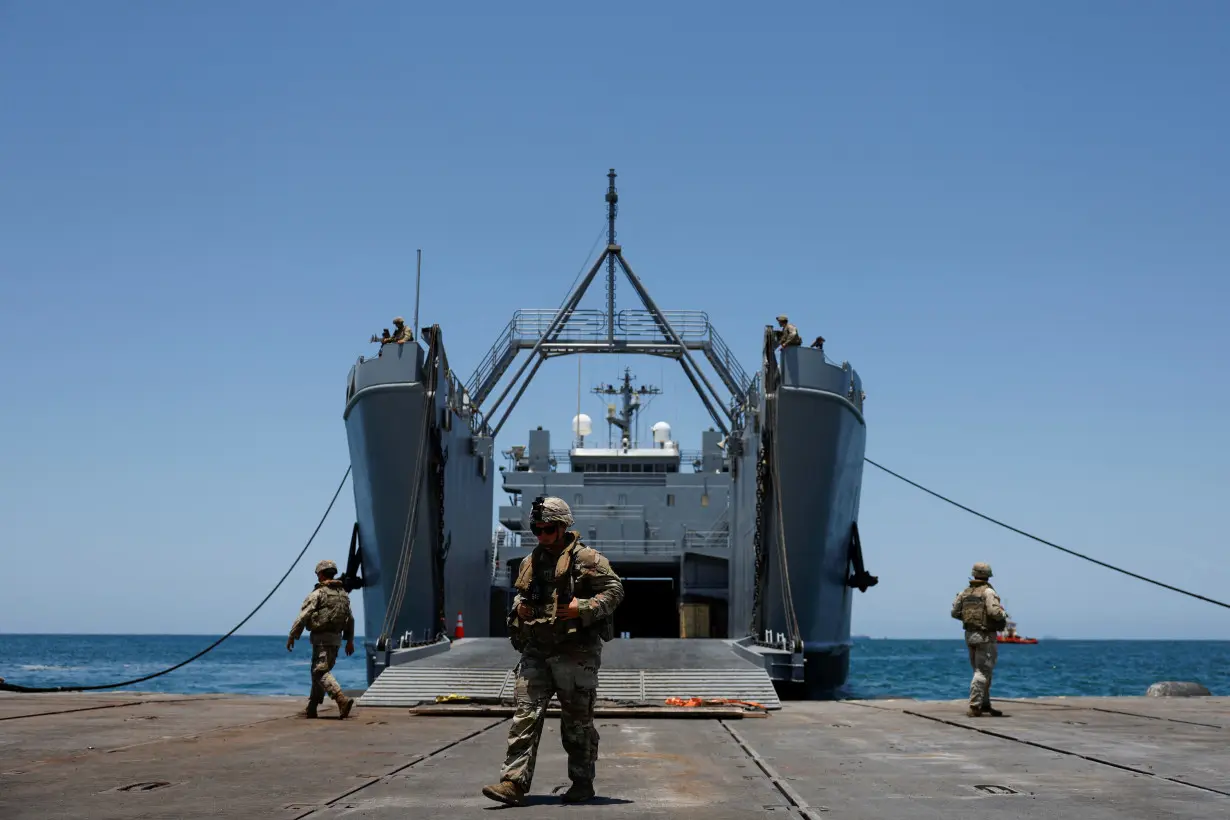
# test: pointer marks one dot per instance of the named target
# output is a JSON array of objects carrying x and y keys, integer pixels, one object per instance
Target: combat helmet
[
  {"x": 398, "y": 320},
  {"x": 548, "y": 509},
  {"x": 325, "y": 565},
  {"x": 981, "y": 570},
  {"x": 783, "y": 318}
]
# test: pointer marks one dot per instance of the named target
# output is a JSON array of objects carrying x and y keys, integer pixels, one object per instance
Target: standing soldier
[
  {"x": 402, "y": 334},
  {"x": 566, "y": 596},
  {"x": 788, "y": 335},
  {"x": 979, "y": 610},
  {"x": 326, "y": 614}
]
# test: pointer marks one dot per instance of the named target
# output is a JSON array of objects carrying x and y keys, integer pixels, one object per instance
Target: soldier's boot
[
  {"x": 344, "y": 705},
  {"x": 974, "y": 711},
  {"x": 579, "y": 792},
  {"x": 506, "y": 792},
  {"x": 987, "y": 710},
  {"x": 310, "y": 711}
]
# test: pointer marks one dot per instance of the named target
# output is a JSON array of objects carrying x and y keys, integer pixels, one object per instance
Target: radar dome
[
  {"x": 661, "y": 432},
  {"x": 581, "y": 425}
]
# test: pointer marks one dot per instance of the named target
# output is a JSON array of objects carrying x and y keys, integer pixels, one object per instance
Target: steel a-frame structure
[{"x": 649, "y": 331}]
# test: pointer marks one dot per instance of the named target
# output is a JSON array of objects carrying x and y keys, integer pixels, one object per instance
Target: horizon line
[{"x": 359, "y": 638}]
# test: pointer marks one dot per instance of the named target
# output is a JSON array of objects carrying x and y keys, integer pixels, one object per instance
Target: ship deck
[{"x": 125, "y": 755}]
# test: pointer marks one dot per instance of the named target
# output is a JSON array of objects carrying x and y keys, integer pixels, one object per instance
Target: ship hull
[
  {"x": 816, "y": 466},
  {"x": 396, "y": 435}
]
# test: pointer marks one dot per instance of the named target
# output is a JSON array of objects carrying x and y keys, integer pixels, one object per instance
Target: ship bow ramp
[{"x": 635, "y": 672}]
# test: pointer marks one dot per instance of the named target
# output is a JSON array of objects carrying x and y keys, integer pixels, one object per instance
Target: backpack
[
  {"x": 332, "y": 611},
  {"x": 974, "y": 613}
]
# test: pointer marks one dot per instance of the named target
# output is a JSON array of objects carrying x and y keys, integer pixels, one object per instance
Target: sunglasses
[{"x": 539, "y": 529}]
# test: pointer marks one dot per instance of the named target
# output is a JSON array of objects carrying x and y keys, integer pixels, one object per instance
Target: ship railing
[
  {"x": 706, "y": 540},
  {"x": 504, "y": 345},
  {"x": 502, "y": 577},
  {"x": 499, "y": 538},
  {"x": 727, "y": 366},
  {"x": 689, "y": 324},
  {"x": 583, "y": 513},
  {"x": 635, "y": 547},
  {"x": 562, "y": 458},
  {"x": 512, "y": 541},
  {"x": 583, "y": 330},
  {"x": 590, "y": 511},
  {"x": 529, "y": 325},
  {"x": 591, "y": 325}
]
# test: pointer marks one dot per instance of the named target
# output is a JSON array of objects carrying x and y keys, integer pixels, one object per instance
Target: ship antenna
[
  {"x": 418, "y": 278},
  {"x": 612, "y": 198}
]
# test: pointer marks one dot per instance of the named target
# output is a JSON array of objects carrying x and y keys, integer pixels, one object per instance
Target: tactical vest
[
  {"x": 547, "y": 592},
  {"x": 974, "y": 615},
  {"x": 332, "y": 611}
]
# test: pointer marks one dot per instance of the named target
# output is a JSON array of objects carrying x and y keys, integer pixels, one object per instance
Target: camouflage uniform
[
  {"x": 327, "y": 607},
  {"x": 559, "y": 657},
  {"x": 402, "y": 334},
  {"x": 789, "y": 334},
  {"x": 979, "y": 609}
]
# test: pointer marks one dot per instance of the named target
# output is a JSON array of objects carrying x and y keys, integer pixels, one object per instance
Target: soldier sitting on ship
[
  {"x": 788, "y": 335},
  {"x": 400, "y": 336}
]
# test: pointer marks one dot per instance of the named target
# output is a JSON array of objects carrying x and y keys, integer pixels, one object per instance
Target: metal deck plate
[{"x": 640, "y": 671}]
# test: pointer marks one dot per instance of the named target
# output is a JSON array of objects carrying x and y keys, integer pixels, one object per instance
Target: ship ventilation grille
[{"x": 625, "y": 479}]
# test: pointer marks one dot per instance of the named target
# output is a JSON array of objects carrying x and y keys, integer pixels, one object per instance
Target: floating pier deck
[{"x": 123, "y": 755}]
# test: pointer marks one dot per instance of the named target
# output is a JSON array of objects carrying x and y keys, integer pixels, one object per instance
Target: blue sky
[{"x": 1011, "y": 221}]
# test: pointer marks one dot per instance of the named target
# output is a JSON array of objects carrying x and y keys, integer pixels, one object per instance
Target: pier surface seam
[
  {"x": 776, "y": 779},
  {"x": 417, "y": 759},
  {"x": 1058, "y": 750}
]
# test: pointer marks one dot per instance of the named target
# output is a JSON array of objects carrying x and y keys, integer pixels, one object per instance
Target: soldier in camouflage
[
  {"x": 561, "y": 614},
  {"x": 980, "y": 612},
  {"x": 401, "y": 334},
  {"x": 788, "y": 336},
  {"x": 326, "y": 614}
]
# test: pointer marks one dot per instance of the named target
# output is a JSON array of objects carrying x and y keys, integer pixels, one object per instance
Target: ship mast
[
  {"x": 612, "y": 208},
  {"x": 631, "y": 406}
]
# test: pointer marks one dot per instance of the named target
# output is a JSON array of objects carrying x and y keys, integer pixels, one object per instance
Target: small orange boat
[{"x": 1009, "y": 635}]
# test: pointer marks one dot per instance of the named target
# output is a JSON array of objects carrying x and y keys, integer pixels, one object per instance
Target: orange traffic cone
[{"x": 461, "y": 629}]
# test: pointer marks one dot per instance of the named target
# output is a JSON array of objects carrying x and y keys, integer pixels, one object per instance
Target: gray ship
[{"x": 740, "y": 558}]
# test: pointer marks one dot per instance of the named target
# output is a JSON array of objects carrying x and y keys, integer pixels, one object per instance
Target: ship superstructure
[{"x": 660, "y": 514}]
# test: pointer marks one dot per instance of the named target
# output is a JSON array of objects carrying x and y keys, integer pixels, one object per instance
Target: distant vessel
[{"x": 1009, "y": 635}]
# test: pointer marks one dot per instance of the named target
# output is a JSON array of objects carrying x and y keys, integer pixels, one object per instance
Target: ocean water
[
  {"x": 940, "y": 670},
  {"x": 926, "y": 669}
]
